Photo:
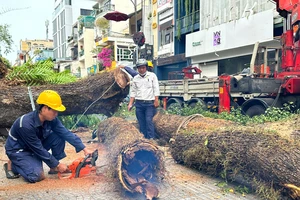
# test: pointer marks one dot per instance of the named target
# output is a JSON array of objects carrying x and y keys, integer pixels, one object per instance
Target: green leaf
[{"x": 206, "y": 142}]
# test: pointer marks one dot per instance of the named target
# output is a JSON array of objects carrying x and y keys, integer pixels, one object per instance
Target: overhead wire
[{"x": 93, "y": 103}]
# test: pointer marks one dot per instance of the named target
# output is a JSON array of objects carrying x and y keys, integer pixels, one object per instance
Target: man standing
[
  {"x": 33, "y": 135},
  {"x": 144, "y": 91}
]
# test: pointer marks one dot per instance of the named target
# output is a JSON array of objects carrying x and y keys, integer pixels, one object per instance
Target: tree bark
[
  {"x": 168, "y": 126},
  {"x": 136, "y": 161},
  {"x": 77, "y": 97},
  {"x": 237, "y": 153}
]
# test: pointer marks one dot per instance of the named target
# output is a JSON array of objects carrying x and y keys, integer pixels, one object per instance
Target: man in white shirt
[{"x": 144, "y": 91}]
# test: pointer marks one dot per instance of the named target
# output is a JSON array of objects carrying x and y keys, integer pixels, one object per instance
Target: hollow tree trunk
[
  {"x": 77, "y": 97},
  {"x": 138, "y": 163}
]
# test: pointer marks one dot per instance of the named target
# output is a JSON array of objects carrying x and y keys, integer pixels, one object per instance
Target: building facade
[
  {"x": 80, "y": 46},
  {"x": 117, "y": 35},
  {"x": 228, "y": 31},
  {"x": 175, "y": 20},
  {"x": 64, "y": 16},
  {"x": 35, "y": 50}
]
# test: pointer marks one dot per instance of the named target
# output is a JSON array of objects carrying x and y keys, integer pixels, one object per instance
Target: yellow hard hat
[
  {"x": 150, "y": 64},
  {"x": 51, "y": 99}
]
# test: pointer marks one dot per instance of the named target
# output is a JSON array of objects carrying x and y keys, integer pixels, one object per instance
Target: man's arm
[
  {"x": 133, "y": 90},
  {"x": 131, "y": 101},
  {"x": 156, "y": 90},
  {"x": 70, "y": 137}
]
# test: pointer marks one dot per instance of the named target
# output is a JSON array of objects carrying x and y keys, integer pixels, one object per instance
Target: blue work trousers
[
  {"x": 144, "y": 114},
  {"x": 28, "y": 165}
]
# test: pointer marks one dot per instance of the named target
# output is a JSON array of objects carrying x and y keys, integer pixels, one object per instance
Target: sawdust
[{"x": 52, "y": 182}]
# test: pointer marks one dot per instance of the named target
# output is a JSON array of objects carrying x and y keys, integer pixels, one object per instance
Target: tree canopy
[{"x": 5, "y": 39}]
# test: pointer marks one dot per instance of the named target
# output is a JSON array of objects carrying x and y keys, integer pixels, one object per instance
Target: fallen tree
[
  {"x": 137, "y": 162},
  {"x": 77, "y": 97},
  {"x": 264, "y": 161},
  {"x": 167, "y": 126}
]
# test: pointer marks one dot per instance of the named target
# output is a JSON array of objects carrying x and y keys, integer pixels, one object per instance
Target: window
[
  {"x": 54, "y": 26},
  {"x": 63, "y": 35},
  {"x": 68, "y": 2},
  {"x": 167, "y": 38},
  {"x": 85, "y": 12},
  {"x": 63, "y": 18}
]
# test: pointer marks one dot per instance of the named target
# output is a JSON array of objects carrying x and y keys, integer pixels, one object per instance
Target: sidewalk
[{"x": 182, "y": 183}]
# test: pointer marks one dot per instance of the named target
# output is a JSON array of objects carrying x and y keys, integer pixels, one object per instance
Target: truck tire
[
  {"x": 193, "y": 102},
  {"x": 174, "y": 102},
  {"x": 255, "y": 110}
]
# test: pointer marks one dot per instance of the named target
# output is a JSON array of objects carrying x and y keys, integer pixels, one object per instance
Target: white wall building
[
  {"x": 64, "y": 16},
  {"x": 229, "y": 29},
  {"x": 165, "y": 41}
]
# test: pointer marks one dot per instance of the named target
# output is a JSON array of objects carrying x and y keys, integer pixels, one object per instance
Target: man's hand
[
  {"x": 156, "y": 103},
  {"x": 87, "y": 151},
  {"x": 61, "y": 167},
  {"x": 129, "y": 107}
]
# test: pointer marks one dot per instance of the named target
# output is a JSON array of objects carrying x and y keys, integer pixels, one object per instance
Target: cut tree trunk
[
  {"x": 236, "y": 153},
  {"x": 167, "y": 126},
  {"x": 136, "y": 161},
  {"x": 77, "y": 97}
]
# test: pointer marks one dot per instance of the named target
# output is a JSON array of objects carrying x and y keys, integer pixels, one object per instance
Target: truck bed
[{"x": 189, "y": 88}]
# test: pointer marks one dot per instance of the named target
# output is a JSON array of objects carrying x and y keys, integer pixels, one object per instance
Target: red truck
[{"x": 263, "y": 86}]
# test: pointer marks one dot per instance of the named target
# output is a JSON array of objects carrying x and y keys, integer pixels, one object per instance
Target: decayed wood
[
  {"x": 14, "y": 100},
  {"x": 138, "y": 163}
]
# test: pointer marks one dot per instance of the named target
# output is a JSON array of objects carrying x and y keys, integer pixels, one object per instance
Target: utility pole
[
  {"x": 136, "y": 30},
  {"x": 47, "y": 25}
]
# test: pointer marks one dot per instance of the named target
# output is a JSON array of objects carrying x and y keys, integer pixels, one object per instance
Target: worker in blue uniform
[
  {"x": 33, "y": 135},
  {"x": 144, "y": 93}
]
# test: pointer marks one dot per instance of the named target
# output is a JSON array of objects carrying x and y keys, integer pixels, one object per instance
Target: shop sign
[
  {"x": 154, "y": 13},
  {"x": 217, "y": 38},
  {"x": 199, "y": 43},
  {"x": 172, "y": 59},
  {"x": 163, "y": 2},
  {"x": 154, "y": 25}
]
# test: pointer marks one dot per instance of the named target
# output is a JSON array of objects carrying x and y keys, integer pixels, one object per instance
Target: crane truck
[{"x": 254, "y": 91}]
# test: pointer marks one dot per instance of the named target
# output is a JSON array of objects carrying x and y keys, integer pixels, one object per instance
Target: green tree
[
  {"x": 5, "y": 61},
  {"x": 5, "y": 39}
]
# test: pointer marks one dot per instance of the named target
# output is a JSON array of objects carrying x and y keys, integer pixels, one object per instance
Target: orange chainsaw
[{"x": 81, "y": 166}]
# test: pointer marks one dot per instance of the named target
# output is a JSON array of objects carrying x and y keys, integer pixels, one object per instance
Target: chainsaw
[{"x": 81, "y": 166}]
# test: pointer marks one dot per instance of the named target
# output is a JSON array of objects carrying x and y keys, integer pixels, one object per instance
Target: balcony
[
  {"x": 188, "y": 23},
  {"x": 103, "y": 38},
  {"x": 103, "y": 10},
  {"x": 86, "y": 22}
]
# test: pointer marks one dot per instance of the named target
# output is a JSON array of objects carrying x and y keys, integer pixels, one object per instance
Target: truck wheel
[
  {"x": 201, "y": 102},
  {"x": 255, "y": 110},
  {"x": 174, "y": 103}
]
